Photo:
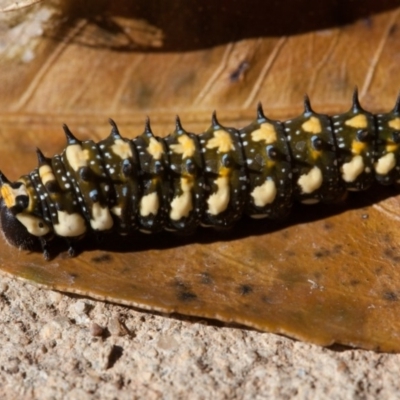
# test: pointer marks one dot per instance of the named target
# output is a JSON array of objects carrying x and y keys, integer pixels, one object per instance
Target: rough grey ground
[{"x": 56, "y": 346}]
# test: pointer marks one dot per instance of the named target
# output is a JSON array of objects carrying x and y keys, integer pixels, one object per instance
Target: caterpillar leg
[
  {"x": 72, "y": 251},
  {"x": 45, "y": 249}
]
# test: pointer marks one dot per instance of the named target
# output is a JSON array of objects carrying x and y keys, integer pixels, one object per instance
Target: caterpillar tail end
[{"x": 14, "y": 232}]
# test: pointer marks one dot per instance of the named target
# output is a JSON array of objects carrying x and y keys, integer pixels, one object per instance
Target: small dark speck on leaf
[
  {"x": 322, "y": 253},
  {"x": 266, "y": 299},
  {"x": 393, "y": 29},
  {"x": 245, "y": 289},
  {"x": 102, "y": 258},
  {"x": 183, "y": 292},
  {"x": 390, "y": 296},
  {"x": 368, "y": 22},
  {"x": 206, "y": 278},
  {"x": 378, "y": 270},
  {"x": 337, "y": 248},
  {"x": 237, "y": 74},
  {"x": 187, "y": 296},
  {"x": 392, "y": 254},
  {"x": 328, "y": 226}
]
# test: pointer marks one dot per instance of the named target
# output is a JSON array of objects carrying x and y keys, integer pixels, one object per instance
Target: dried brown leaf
[{"x": 328, "y": 274}]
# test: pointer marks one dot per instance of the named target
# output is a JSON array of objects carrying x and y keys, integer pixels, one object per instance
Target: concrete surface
[{"x": 56, "y": 346}]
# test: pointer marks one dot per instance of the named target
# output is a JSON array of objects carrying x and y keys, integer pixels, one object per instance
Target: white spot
[
  {"x": 101, "y": 218},
  {"x": 264, "y": 194},
  {"x": 352, "y": 169},
  {"x": 311, "y": 181},
  {"x": 218, "y": 201},
  {"x": 34, "y": 225},
  {"x": 385, "y": 164},
  {"x": 149, "y": 204},
  {"x": 182, "y": 205},
  {"x": 69, "y": 225},
  {"x": 117, "y": 210}
]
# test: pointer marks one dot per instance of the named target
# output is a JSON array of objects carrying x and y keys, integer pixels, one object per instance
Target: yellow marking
[
  {"x": 311, "y": 181},
  {"x": 186, "y": 147},
  {"x": 394, "y": 123},
  {"x": 221, "y": 140},
  {"x": 358, "y": 121},
  {"x": 69, "y": 225},
  {"x": 385, "y": 164},
  {"x": 155, "y": 148},
  {"x": 77, "y": 158},
  {"x": 149, "y": 204},
  {"x": 224, "y": 171},
  {"x": 315, "y": 154},
  {"x": 312, "y": 125},
  {"x": 391, "y": 147},
  {"x": 34, "y": 225},
  {"x": 9, "y": 194},
  {"x": 270, "y": 163},
  {"x": 265, "y": 132},
  {"x": 101, "y": 218},
  {"x": 182, "y": 205},
  {"x": 264, "y": 194},
  {"x": 218, "y": 201},
  {"x": 46, "y": 174},
  {"x": 352, "y": 169},
  {"x": 358, "y": 147},
  {"x": 122, "y": 149}
]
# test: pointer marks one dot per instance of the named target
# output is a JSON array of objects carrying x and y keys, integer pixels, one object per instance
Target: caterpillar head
[{"x": 19, "y": 228}]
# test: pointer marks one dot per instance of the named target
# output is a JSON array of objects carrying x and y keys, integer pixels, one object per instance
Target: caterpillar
[{"x": 184, "y": 180}]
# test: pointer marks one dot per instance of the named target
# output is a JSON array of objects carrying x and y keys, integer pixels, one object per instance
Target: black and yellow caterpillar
[{"x": 183, "y": 180}]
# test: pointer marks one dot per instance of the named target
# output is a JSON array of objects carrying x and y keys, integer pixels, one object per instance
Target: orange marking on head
[{"x": 8, "y": 195}]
